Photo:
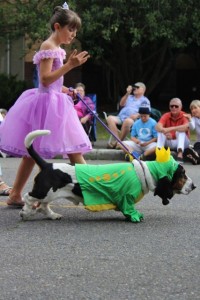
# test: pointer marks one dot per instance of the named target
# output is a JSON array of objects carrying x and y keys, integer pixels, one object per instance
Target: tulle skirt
[{"x": 43, "y": 110}]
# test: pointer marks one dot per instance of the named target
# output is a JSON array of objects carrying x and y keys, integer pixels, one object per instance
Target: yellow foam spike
[{"x": 162, "y": 155}]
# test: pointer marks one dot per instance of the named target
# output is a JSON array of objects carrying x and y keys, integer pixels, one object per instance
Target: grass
[
  {"x": 103, "y": 134},
  {"x": 193, "y": 136}
]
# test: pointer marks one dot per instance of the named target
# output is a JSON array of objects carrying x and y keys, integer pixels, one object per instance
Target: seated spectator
[
  {"x": 130, "y": 104},
  {"x": 192, "y": 154},
  {"x": 143, "y": 136},
  {"x": 83, "y": 112},
  {"x": 173, "y": 129}
]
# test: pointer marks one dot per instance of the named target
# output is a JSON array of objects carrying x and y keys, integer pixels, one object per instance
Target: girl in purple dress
[{"x": 48, "y": 107}]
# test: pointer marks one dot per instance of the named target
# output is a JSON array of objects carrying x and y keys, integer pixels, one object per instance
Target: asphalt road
[{"x": 99, "y": 255}]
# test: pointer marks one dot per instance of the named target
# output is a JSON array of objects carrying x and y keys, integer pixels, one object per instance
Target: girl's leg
[
  {"x": 23, "y": 173},
  {"x": 76, "y": 158}
]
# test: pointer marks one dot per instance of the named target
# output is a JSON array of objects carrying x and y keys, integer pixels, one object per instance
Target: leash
[
  {"x": 94, "y": 113},
  {"x": 133, "y": 154}
]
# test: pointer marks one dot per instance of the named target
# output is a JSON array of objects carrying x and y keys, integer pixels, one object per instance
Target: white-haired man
[
  {"x": 130, "y": 103},
  {"x": 173, "y": 131}
]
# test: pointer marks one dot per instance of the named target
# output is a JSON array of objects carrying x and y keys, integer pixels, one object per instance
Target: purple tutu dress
[{"x": 44, "y": 108}]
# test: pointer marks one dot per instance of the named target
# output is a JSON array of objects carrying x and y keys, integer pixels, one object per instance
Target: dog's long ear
[{"x": 164, "y": 190}]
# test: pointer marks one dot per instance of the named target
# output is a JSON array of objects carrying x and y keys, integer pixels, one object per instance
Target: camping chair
[
  {"x": 92, "y": 132},
  {"x": 155, "y": 114}
]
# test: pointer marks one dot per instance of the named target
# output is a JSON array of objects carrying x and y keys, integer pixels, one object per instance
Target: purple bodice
[{"x": 58, "y": 57}]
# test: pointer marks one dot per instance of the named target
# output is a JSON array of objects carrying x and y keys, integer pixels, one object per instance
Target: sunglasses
[{"x": 173, "y": 105}]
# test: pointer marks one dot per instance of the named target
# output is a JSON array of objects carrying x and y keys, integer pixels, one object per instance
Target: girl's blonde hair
[{"x": 195, "y": 103}]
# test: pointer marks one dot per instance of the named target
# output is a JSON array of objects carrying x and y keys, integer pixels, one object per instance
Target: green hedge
[{"x": 10, "y": 90}]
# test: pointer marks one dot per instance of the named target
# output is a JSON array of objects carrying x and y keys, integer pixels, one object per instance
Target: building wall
[
  {"x": 12, "y": 58},
  {"x": 17, "y": 59}
]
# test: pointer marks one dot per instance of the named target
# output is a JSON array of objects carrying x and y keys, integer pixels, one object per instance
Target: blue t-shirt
[
  {"x": 144, "y": 131},
  {"x": 132, "y": 106}
]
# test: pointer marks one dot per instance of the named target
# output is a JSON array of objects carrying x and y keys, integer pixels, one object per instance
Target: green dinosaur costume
[{"x": 120, "y": 186}]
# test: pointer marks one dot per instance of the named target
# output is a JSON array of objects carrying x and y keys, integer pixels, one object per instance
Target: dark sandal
[{"x": 13, "y": 204}]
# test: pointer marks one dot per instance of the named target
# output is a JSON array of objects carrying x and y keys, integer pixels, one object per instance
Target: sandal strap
[{"x": 7, "y": 189}]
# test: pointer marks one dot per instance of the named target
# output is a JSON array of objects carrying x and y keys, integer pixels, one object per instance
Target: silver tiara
[{"x": 65, "y": 6}]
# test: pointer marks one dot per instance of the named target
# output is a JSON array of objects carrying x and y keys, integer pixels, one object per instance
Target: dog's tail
[{"x": 28, "y": 144}]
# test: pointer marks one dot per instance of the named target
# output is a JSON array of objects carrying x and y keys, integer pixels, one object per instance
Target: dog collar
[{"x": 142, "y": 171}]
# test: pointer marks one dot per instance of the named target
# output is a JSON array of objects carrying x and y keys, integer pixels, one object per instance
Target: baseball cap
[
  {"x": 144, "y": 110},
  {"x": 140, "y": 84}
]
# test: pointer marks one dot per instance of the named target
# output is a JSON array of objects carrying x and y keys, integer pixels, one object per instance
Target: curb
[{"x": 104, "y": 154}]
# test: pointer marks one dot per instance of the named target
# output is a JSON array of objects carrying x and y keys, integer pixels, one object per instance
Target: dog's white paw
[
  {"x": 48, "y": 212},
  {"x": 55, "y": 216},
  {"x": 26, "y": 215}
]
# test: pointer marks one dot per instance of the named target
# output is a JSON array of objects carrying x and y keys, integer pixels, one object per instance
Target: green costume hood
[{"x": 161, "y": 169}]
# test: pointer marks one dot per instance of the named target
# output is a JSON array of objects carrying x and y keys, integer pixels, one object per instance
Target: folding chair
[
  {"x": 92, "y": 133},
  {"x": 155, "y": 114}
]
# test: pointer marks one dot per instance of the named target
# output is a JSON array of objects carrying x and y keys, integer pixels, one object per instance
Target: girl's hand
[
  {"x": 69, "y": 91},
  {"x": 65, "y": 89},
  {"x": 72, "y": 93},
  {"x": 77, "y": 59}
]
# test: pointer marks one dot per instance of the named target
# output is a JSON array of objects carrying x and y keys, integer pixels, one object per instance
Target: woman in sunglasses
[{"x": 173, "y": 131}]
